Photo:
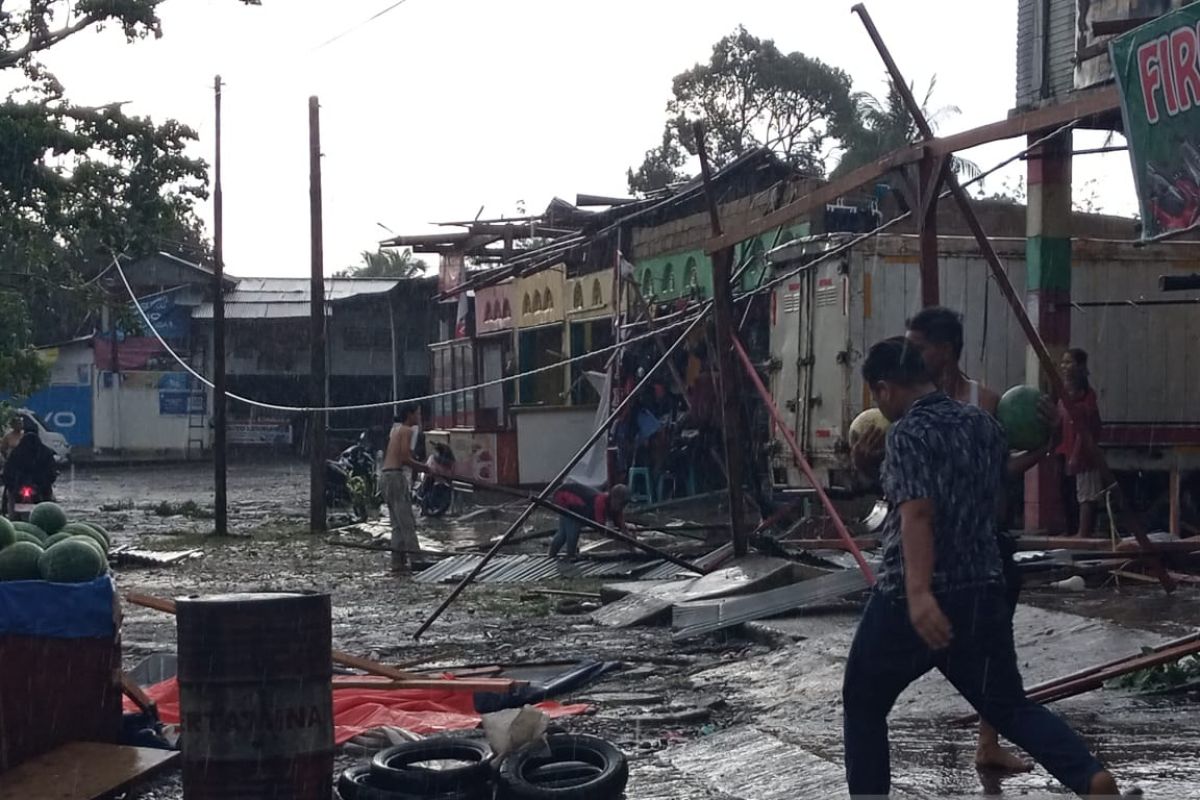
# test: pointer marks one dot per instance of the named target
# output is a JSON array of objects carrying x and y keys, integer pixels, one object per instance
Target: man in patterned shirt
[{"x": 939, "y": 600}]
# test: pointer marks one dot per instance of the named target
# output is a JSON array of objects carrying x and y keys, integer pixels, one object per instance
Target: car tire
[
  {"x": 359, "y": 783},
  {"x": 393, "y": 768},
  {"x": 526, "y": 775}
]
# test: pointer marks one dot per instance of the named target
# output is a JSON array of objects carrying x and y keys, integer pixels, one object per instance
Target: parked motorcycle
[
  {"x": 352, "y": 479},
  {"x": 435, "y": 492},
  {"x": 24, "y": 498}
]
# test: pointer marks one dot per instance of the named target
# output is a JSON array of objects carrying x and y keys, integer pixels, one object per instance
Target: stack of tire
[
  {"x": 50, "y": 548},
  {"x": 571, "y": 767}
]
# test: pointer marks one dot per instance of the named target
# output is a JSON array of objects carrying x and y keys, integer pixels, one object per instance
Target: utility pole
[
  {"x": 731, "y": 406},
  {"x": 220, "y": 495},
  {"x": 316, "y": 483}
]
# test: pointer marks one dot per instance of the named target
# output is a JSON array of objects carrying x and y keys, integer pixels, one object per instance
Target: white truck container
[{"x": 1144, "y": 345}]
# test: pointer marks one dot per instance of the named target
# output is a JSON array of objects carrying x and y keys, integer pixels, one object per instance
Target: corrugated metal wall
[
  {"x": 1029, "y": 57},
  {"x": 1056, "y": 37}
]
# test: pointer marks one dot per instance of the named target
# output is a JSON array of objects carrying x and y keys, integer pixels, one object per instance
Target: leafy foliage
[
  {"x": 879, "y": 127},
  {"x": 750, "y": 95},
  {"x": 385, "y": 264},
  {"x": 79, "y": 184},
  {"x": 1173, "y": 676},
  {"x": 22, "y": 371}
]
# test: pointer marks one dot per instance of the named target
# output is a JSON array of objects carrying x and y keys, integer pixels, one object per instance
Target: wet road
[{"x": 774, "y": 731}]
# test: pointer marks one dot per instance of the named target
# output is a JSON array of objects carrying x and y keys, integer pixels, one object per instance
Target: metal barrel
[{"x": 255, "y": 696}]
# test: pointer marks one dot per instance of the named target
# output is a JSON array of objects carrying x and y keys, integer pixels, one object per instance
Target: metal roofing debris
[
  {"x": 240, "y": 310},
  {"x": 698, "y": 617},
  {"x": 274, "y": 298},
  {"x": 128, "y": 554},
  {"x": 533, "y": 568}
]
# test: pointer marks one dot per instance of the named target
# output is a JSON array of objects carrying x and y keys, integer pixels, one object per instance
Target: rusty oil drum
[{"x": 255, "y": 698}]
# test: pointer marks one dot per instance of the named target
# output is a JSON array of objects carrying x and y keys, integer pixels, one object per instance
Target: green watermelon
[
  {"x": 26, "y": 536},
  {"x": 100, "y": 530},
  {"x": 1018, "y": 415},
  {"x": 8, "y": 534},
  {"x": 20, "y": 562},
  {"x": 56, "y": 538},
  {"x": 71, "y": 561},
  {"x": 49, "y": 517},
  {"x": 30, "y": 528},
  {"x": 80, "y": 529},
  {"x": 90, "y": 542}
]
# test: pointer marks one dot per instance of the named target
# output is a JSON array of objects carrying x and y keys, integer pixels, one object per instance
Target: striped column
[{"x": 1048, "y": 302}]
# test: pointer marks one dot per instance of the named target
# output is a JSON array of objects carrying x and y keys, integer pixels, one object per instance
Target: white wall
[
  {"x": 127, "y": 420},
  {"x": 548, "y": 437}
]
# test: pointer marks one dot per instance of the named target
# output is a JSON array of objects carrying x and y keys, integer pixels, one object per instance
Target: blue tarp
[{"x": 58, "y": 610}]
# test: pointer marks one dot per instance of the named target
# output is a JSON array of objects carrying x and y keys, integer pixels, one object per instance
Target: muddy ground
[{"x": 763, "y": 703}]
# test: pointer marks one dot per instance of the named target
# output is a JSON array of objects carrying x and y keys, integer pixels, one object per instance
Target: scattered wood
[
  {"x": 1085, "y": 680},
  {"x": 861, "y": 542},
  {"x": 134, "y": 692},
  {"x": 566, "y": 593},
  {"x": 684, "y": 717},
  {"x": 1027, "y": 543},
  {"x": 83, "y": 771},
  {"x": 1140, "y": 578},
  {"x": 1179, "y": 546},
  {"x": 343, "y": 659},
  {"x": 441, "y": 684}
]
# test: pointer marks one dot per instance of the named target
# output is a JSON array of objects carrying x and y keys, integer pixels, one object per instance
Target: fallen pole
[
  {"x": 1095, "y": 676},
  {"x": 805, "y": 467},
  {"x": 1058, "y": 388},
  {"x": 562, "y": 474},
  {"x": 338, "y": 657},
  {"x": 611, "y": 533}
]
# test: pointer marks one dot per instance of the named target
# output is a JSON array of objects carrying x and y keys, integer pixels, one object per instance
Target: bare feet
[{"x": 993, "y": 756}]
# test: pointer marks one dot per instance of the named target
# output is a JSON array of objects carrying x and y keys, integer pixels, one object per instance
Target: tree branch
[{"x": 38, "y": 43}]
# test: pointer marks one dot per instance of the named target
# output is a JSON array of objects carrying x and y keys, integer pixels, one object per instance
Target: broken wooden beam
[{"x": 340, "y": 658}]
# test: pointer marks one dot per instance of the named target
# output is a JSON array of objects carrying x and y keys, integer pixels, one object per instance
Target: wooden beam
[{"x": 1081, "y": 106}]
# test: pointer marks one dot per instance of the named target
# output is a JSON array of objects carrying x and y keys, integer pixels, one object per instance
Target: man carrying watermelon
[
  {"x": 937, "y": 333},
  {"x": 940, "y": 601}
]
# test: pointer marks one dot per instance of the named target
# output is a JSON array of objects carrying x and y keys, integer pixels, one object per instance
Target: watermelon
[
  {"x": 80, "y": 529},
  {"x": 30, "y": 528},
  {"x": 100, "y": 530},
  {"x": 1018, "y": 415},
  {"x": 49, "y": 517},
  {"x": 871, "y": 418},
  {"x": 71, "y": 561},
  {"x": 8, "y": 534},
  {"x": 26, "y": 536},
  {"x": 20, "y": 562},
  {"x": 56, "y": 538},
  {"x": 90, "y": 542}
]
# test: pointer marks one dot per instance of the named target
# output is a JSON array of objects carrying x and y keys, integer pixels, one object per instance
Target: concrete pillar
[{"x": 1048, "y": 301}]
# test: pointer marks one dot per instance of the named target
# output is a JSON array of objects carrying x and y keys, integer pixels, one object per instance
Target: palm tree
[
  {"x": 881, "y": 127},
  {"x": 385, "y": 264}
]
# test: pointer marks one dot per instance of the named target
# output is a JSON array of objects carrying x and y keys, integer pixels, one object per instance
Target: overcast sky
[{"x": 442, "y": 106}]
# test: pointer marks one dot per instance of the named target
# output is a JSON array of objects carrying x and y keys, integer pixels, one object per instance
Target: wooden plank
[
  {"x": 440, "y": 684},
  {"x": 83, "y": 771},
  {"x": 338, "y": 657},
  {"x": 1027, "y": 543}
]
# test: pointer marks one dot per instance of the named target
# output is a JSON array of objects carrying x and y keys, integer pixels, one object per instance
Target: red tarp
[{"x": 422, "y": 711}]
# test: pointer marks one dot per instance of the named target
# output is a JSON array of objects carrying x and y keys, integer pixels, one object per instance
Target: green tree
[
  {"x": 22, "y": 371},
  {"x": 79, "y": 184},
  {"x": 751, "y": 95},
  {"x": 879, "y": 127},
  {"x": 385, "y": 264}
]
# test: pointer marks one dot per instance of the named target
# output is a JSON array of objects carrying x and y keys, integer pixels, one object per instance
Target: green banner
[{"x": 1157, "y": 67}]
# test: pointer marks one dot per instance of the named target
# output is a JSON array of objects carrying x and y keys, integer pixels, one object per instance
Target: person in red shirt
[
  {"x": 1089, "y": 486},
  {"x": 602, "y": 507}
]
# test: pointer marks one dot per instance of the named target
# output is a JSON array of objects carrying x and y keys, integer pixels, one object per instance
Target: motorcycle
[
  {"x": 352, "y": 479},
  {"x": 435, "y": 493},
  {"x": 24, "y": 498}
]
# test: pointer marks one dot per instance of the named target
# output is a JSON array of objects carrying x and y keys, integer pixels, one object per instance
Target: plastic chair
[{"x": 640, "y": 490}]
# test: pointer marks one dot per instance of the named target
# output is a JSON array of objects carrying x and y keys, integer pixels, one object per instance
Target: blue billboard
[{"x": 66, "y": 410}]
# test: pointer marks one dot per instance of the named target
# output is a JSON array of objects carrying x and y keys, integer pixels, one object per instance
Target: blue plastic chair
[{"x": 640, "y": 490}]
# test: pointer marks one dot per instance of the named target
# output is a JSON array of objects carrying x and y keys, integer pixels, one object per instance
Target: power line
[{"x": 364, "y": 23}]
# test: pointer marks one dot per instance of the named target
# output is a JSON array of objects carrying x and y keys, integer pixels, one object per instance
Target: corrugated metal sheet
[
  {"x": 1045, "y": 45},
  {"x": 1061, "y": 45},
  {"x": 1029, "y": 66},
  {"x": 259, "y": 311},
  {"x": 531, "y": 569}
]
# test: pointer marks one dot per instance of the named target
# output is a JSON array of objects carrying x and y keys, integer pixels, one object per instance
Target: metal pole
[
  {"x": 220, "y": 495},
  {"x": 731, "y": 407},
  {"x": 562, "y": 473},
  {"x": 316, "y": 482},
  {"x": 1049, "y": 368}
]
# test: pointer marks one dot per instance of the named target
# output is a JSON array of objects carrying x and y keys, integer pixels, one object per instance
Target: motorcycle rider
[{"x": 30, "y": 463}]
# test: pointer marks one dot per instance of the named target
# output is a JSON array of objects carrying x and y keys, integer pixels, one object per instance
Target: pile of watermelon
[{"x": 50, "y": 548}]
